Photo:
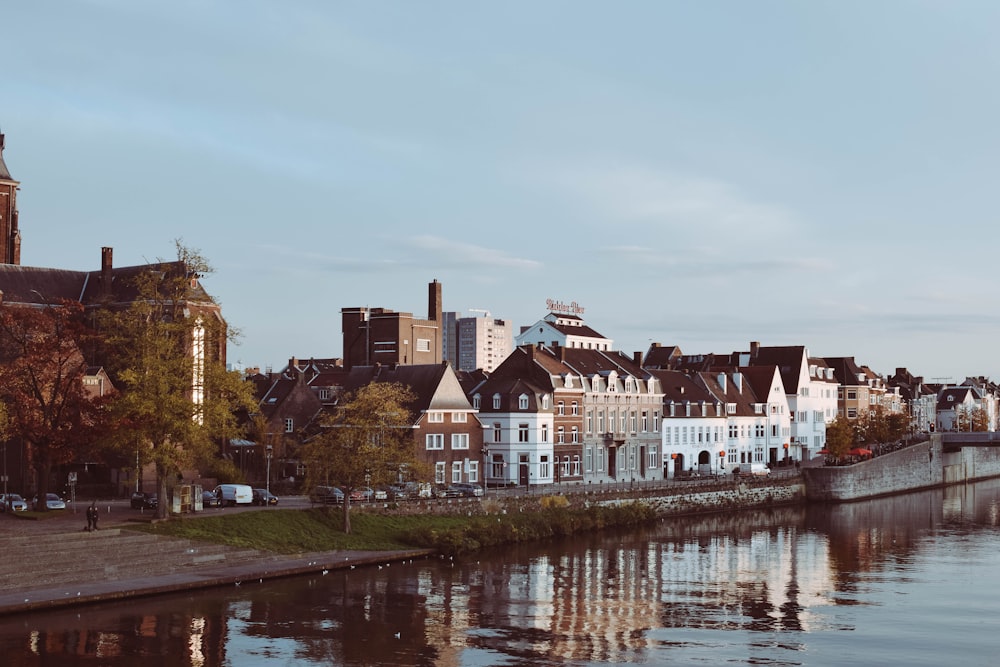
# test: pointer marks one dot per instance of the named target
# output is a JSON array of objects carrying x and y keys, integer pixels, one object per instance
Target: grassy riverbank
[{"x": 321, "y": 529}]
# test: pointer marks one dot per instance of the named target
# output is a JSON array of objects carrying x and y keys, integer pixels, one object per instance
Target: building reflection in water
[{"x": 610, "y": 599}]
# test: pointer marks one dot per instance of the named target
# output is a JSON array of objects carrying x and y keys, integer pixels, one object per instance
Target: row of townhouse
[{"x": 565, "y": 407}]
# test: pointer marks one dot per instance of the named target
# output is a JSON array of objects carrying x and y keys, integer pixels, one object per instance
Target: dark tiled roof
[
  {"x": 424, "y": 380},
  {"x": 37, "y": 285}
]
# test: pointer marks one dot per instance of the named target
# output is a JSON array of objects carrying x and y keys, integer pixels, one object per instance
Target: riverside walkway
[{"x": 55, "y": 562}]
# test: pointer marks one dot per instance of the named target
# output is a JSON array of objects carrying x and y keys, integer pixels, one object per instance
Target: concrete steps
[{"x": 48, "y": 560}]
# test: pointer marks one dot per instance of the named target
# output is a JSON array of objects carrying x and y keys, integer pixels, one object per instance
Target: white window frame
[
  {"x": 434, "y": 441},
  {"x": 459, "y": 440}
]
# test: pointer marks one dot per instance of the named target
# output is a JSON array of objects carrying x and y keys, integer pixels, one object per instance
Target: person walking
[{"x": 92, "y": 516}]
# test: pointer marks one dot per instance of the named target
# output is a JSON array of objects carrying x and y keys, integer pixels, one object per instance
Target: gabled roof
[
  {"x": 845, "y": 370},
  {"x": 661, "y": 356},
  {"x": 958, "y": 396},
  {"x": 790, "y": 360},
  {"x": 435, "y": 385}
]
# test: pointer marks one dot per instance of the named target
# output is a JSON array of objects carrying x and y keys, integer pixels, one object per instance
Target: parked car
[
  {"x": 463, "y": 490},
  {"x": 52, "y": 502},
  {"x": 209, "y": 499},
  {"x": 754, "y": 469},
  {"x": 364, "y": 494},
  {"x": 144, "y": 501},
  {"x": 395, "y": 492},
  {"x": 328, "y": 495},
  {"x": 12, "y": 502},
  {"x": 264, "y": 497}
]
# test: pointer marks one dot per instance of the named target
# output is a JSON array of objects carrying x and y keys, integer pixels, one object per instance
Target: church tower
[{"x": 10, "y": 235}]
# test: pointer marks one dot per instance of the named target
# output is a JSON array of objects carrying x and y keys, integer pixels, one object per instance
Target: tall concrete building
[{"x": 478, "y": 342}]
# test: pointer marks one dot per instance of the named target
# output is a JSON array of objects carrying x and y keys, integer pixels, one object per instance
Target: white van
[
  {"x": 756, "y": 469},
  {"x": 233, "y": 494}
]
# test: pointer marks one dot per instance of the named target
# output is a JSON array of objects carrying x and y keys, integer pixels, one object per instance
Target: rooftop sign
[{"x": 554, "y": 306}]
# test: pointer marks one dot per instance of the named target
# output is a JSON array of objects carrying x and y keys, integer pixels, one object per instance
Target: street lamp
[{"x": 269, "y": 450}]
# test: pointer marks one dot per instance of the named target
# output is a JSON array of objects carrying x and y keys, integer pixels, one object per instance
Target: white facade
[
  {"x": 811, "y": 410},
  {"x": 517, "y": 446},
  {"x": 569, "y": 331}
]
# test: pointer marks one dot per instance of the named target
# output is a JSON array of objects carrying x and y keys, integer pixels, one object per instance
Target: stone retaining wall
[
  {"x": 669, "y": 499},
  {"x": 919, "y": 466}
]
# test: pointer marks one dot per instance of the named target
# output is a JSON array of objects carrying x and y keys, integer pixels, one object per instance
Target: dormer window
[
  {"x": 522, "y": 402},
  {"x": 475, "y": 401},
  {"x": 496, "y": 401},
  {"x": 545, "y": 401}
]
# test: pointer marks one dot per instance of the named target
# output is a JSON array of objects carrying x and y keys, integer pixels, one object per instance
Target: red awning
[{"x": 860, "y": 451}]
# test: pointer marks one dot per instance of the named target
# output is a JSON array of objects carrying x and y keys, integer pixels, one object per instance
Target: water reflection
[{"x": 791, "y": 586}]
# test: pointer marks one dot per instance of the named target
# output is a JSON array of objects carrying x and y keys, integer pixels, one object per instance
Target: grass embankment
[{"x": 321, "y": 529}]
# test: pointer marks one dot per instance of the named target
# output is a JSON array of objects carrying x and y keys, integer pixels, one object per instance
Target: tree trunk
[
  {"x": 162, "y": 498},
  {"x": 43, "y": 470},
  {"x": 347, "y": 513}
]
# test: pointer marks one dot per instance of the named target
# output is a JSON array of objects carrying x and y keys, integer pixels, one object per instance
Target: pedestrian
[{"x": 92, "y": 515}]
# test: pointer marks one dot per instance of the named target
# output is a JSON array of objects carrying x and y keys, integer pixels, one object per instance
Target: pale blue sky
[{"x": 702, "y": 174}]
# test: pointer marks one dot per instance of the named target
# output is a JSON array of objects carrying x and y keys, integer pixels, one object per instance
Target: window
[
  {"x": 653, "y": 457},
  {"x": 497, "y": 432},
  {"x": 574, "y": 408},
  {"x": 565, "y": 466},
  {"x": 459, "y": 440},
  {"x": 624, "y": 422},
  {"x": 600, "y": 458},
  {"x": 852, "y": 394},
  {"x": 576, "y": 465},
  {"x": 522, "y": 402},
  {"x": 633, "y": 422},
  {"x": 289, "y": 425},
  {"x": 543, "y": 466},
  {"x": 435, "y": 417},
  {"x": 475, "y": 401},
  {"x": 423, "y": 345},
  {"x": 459, "y": 417},
  {"x": 590, "y": 421},
  {"x": 522, "y": 433},
  {"x": 545, "y": 432},
  {"x": 439, "y": 472},
  {"x": 545, "y": 401},
  {"x": 852, "y": 413},
  {"x": 473, "y": 471},
  {"x": 600, "y": 421},
  {"x": 575, "y": 436},
  {"x": 645, "y": 421},
  {"x": 324, "y": 394},
  {"x": 435, "y": 440},
  {"x": 730, "y": 408},
  {"x": 560, "y": 434},
  {"x": 456, "y": 472},
  {"x": 498, "y": 465},
  {"x": 588, "y": 459},
  {"x": 496, "y": 401},
  {"x": 656, "y": 421},
  {"x": 560, "y": 408}
]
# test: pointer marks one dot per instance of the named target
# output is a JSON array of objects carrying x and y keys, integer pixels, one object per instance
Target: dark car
[
  {"x": 209, "y": 499},
  {"x": 264, "y": 497},
  {"x": 463, "y": 490},
  {"x": 144, "y": 501},
  {"x": 328, "y": 495}
]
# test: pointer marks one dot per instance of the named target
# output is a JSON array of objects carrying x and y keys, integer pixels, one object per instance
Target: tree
[
  {"x": 166, "y": 350},
  {"x": 839, "y": 437},
  {"x": 367, "y": 441},
  {"x": 41, "y": 385}
]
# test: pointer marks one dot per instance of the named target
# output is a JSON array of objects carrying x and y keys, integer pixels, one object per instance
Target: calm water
[{"x": 911, "y": 580}]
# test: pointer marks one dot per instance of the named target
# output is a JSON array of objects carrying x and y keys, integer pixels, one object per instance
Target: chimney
[
  {"x": 754, "y": 349},
  {"x": 434, "y": 301},
  {"x": 738, "y": 382},
  {"x": 722, "y": 382},
  {"x": 637, "y": 358},
  {"x": 106, "y": 271}
]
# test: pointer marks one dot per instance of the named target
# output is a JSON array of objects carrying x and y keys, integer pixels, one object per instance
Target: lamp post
[{"x": 269, "y": 450}]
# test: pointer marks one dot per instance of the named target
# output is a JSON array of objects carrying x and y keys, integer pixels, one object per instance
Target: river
[{"x": 909, "y": 580}]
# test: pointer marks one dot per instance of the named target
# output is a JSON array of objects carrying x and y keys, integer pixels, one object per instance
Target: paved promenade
[{"x": 55, "y": 562}]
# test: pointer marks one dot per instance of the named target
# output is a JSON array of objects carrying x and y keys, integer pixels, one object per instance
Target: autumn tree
[
  {"x": 367, "y": 441},
  {"x": 178, "y": 402},
  {"x": 839, "y": 437},
  {"x": 41, "y": 385}
]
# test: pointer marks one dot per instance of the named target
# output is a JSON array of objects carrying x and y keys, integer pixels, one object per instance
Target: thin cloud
[
  {"x": 453, "y": 254},
  {"x": 692, "y": 207}
]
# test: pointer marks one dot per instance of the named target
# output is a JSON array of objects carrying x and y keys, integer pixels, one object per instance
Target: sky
[{"x": 699, "y": 174}]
